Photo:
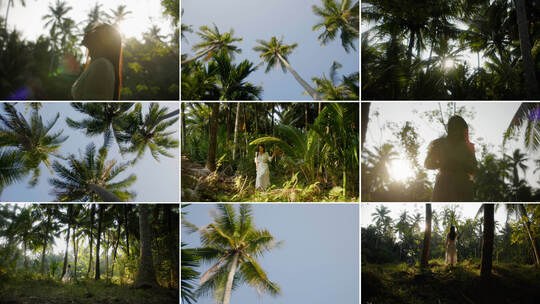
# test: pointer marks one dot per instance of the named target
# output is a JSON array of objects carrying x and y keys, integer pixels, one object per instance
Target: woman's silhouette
[
  {"x": 102, "y": 75},
  {"x": 451, "y": 249},
  {"x": 453, "y": 156}
]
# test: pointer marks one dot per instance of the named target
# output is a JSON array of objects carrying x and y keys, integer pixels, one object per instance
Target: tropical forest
[
  {"x": 318, "y": 49},
  {"x": 405, "y": 253},
  {"x": 311, "y": 149},
  {"x": 450, "y": 50},
  {"x": 42, "y": 54},
  {"x": 89, "y": 253},
  {"x": 396, "y": 138},
  {"x": 88, "y": 152}
]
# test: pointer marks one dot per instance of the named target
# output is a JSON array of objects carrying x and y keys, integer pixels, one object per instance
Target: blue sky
[
  {"x": 156, "y": 181},
  {"x": 262, "y": 19},
  {"x": 318, "y": 261}
]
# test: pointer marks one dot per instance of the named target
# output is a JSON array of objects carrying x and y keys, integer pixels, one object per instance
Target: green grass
[
  {"x": 27, "y": 291},
  {"x": 399, "y": 283}
]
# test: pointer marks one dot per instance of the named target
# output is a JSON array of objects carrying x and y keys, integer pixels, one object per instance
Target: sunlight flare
[
  {"x": 400, "y": 170},
  {"x": 448, "y": 63}
]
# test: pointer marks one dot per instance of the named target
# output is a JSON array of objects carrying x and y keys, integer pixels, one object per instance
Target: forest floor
[
  {"x": 19, "y": 291},
  {"x": 399, "y": 283},
  {"x": 199, "y": 184}
]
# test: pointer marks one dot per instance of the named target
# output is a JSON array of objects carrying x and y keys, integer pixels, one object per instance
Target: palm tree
[
  {"x": 30, "y": 139},
  {"x": 190, "y": 261},
  {"x": 212, "y": 148},
  {"x": 12, "y": 169},
  {"x": 11, "y": 3},
  {"x": 528, "y": 64},
  {"x": 150, "y": 131},
  {"x": 214, "y": 41},
  {"x": 95, "y": 17},
  {"x": 153, "y": 34},
  {"x": 523, "y": 115},
  {"x": 105, "y": 118},
  {"x": 56, "y": 18},
  {"x": 233, "y": 243},
  {"x": 231, "y": 77},
  {"x": 380, "y": 160},
  {"x": 381, "y": 218},
  {"x": 275, "y": 53},
  {"x": 328, "y": 89},
  {"x": 517, "y": 160},
  {"x": 119, "y": 14},
  {"x": 487, "y": 241},
  {"x": 521, "y": 212},
  {"x": 427, "y": 238},
  {"x": 146, "y": 276},
  {"x": 90, "y": 178},
  {"x": 338, "y": 17}
]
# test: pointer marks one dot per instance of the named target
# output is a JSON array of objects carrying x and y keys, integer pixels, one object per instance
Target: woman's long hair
[
  {"x": 110, "y": 44},
  {"x": 456, "y": 128},
  {"x": 264, "y": 150},
  {"x": 452, "y": 234}
]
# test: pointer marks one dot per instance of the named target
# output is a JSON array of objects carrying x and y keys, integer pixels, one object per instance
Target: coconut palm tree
[
  {"x": 381, "y": 218},
  {"x": 150, "y": 131},
  {"x": 29, "y": 138},
  {"x": 338, "y": 17},
  {"x": 517, "y": 160},
  {"x": 231, "y": 78},
  {"x": 90, "y": 178},
  {"x": 528, "y": 64},
  {"x": 105, "y": 118},
  {"x": 12, "y": 169},
  {"x": 56, "y": 18},
  {"x": 214, "y": 41},
  {"x": 329, "y": 89},
  {"x": 95, "y": 16},
  {"x": 232, "y": 242},
  {"x": 520, "y": 212},
  {"x": 119, "y": 14},
  {"x": 522, "y": 117},
  {"x": 487, "y": 241},
  {"x": 275, "y": 53}
]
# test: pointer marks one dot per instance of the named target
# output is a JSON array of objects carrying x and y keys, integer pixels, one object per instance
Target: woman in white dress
[
  {"x": 67, "y": 276},
  {"x": 451, "y": 249},
  {"x": 263, "y": 171},
  {"x": 102, "y": 75}
]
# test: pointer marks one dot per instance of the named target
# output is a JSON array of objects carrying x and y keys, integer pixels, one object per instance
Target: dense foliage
[
  {"x": 317, "y": 159},
  {"x": 418, "y": 50}
]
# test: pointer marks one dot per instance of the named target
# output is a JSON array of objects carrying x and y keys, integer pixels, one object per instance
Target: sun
[
  {"x": 400, "y": 170},
  {"x": 448, "y": 63}
]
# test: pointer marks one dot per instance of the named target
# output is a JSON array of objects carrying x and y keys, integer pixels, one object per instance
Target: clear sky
[
  {"x": 262, "y": 19},
  {"x": 156, "y": 181},
  {"x": 318, "y": 262},
  {"x": 144, "y": 14},
  {"x": 488, "y": 126},
  {"x": 466, "y": 211}
]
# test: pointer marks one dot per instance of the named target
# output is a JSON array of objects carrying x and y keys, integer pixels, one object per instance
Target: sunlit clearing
[
  {"x": 400, "y": 170},
  {"x": 448, "y": 64}
]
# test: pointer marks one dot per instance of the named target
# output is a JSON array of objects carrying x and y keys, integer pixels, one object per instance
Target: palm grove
[
  {"x": 27, "y": 143},
  {"x": 211, "y": 74},
  {"x": 232, "y": 245},
  {"x": 417, "y": 49},
  {"x": 507, "y": 249},
  {"x": 122, "y": 244},
  {"x": 45, "y": 69},
  {"x": 318, "y": 144}
]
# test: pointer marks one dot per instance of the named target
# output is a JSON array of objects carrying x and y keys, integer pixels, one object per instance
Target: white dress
[
  {"x": 67, "y": 276},
  {"x": 451, "y": 252},
  {"x": 96, "y": 83},
  {"x": 263, "y": 172}
]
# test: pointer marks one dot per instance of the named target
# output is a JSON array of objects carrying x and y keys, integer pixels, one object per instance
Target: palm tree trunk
[
  {"x": 487, "y": 243},
  {"x": 104, "y": 194},
  {"x": 170, "y": 115},
  {"x": 528, "y": 227},
  {"x": 365, "y": 120},
  {"x": 92, "y": 215},
  {"x": 230, "y": 278},
  {"x": 7, "y": 14},
  {"x": 98, "y": 241},
  {"x": 45, "y": 242},
  {"x": 528, "y": 64},
  {"x": 427, "y": 238},
  {"x": 211, "y": 159},
  {"x": 256, "y": 118},
  {"x": 311, "y": 91},
  {"x": 183, "y": 124},
  {"x": 146, "y": 276},
  {"x": 25, "y": 256},
  {"x": 70, "y": 211},
  {"x": 273, "y": 106},
  {"x": 126, "y": 228},
  {"x": 344, "y": 182},
  {"x": 306, "y": 115},
  {"x": 411, "y": 45},
  {"x": 188, "y": 60},
  {"x": 236, "y": 121},
  {"x": 75, "y": 254}
]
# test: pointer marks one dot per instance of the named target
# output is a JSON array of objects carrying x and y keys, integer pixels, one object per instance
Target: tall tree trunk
[
  {"x": 45, "y": 242},
  {"x": 115, "y": 248},
  {"x": 199, "y": 55},
  {"x": 126, "y": 228},
  {"x": 531, "y": 82},
  {"x": 7, "y": 13},
  {"x": 256, "y": 118},
  {"x": 236, "y": 121},
  {"x": 531, "y": 237},
  {"x": 427, "y": 238},
  {"x": 183, "y": 124},
  {"x": 25, "y": 256},
  {"x": 365, "y": 120},
  {"x": 92, "y": 215},
  {"x": 306, "y": 115},
  {"x": 70, "y": 212},
  {"x": 411, "y": 45},
  {"x": 98, "y": 241},
  {"x": 211, "y": 159},
  {"x": 273, "y": 109},
  {"x": 487, "y": 244},
  {"x": 230, "y": 278},
  {"x": 311, "y": 91},
  {"x": 107, "y": 240},
  {"x": 75, "y": 253},
  {"x": 228, "y": 124},
  {"x": 146, "y": 276},
  {"x": 104, "y": 194},
  {"x": 172, "y": 246}
]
